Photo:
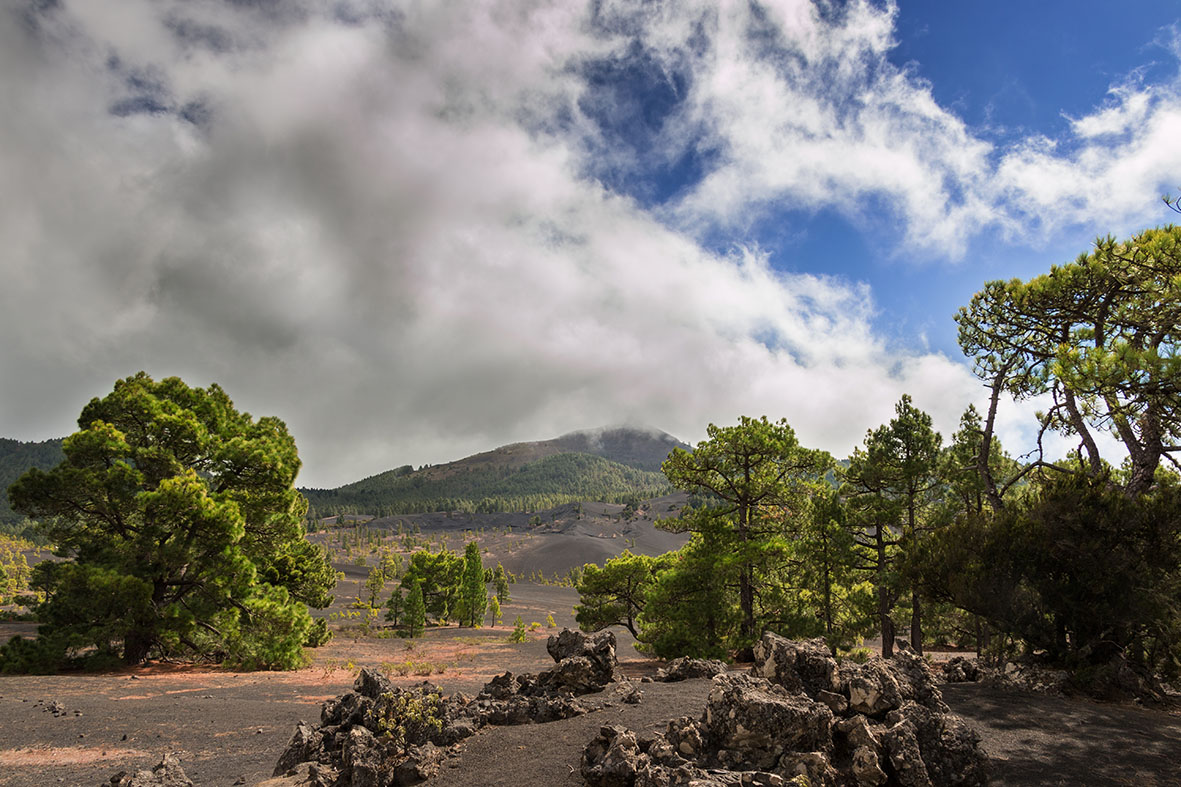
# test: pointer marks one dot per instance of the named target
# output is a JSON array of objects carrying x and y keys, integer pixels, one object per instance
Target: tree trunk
[
  {"x": 828, "y": 609},
  {"x": 916, "y": 622},
  {"x": 136, "y": 647},
  {"x": 746, "y": 597},
  {"x": 887, "y": 624},
  {"x": 746, "y": 590}
]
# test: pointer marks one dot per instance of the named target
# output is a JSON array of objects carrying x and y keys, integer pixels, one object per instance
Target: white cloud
[{"x": 377, "y": 223}]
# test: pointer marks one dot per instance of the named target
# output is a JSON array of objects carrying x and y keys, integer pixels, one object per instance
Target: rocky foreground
[
  {"x": 801, "y": 719},
  {"x": 797, "y": 718}
]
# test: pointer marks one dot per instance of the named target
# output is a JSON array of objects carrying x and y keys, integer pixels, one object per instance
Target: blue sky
[{"x": 416, "y": 230}]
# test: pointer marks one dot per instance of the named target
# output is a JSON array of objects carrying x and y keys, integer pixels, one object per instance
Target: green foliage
[
  {"x": 394, "y": 606},
  {"x": 823, "y": 574},
  {"x": 544, "y": 483},
  {"x": 1080, "y": 571},
  {"x": 17, "y": 458},
  {"x": 14, "y": 568},
  {"x": 374, "y": 585},
  {"x": 183, "y": 529},
  {"x": 271, "y": 632},
  {"x": 891, "y": 486},
  {"x": 519, "y": 634},
  {"x": 500, "y": 582},
  {"x": 549, "y": 621},
  {"x": 1101, "y": 336},
  {"x": 318, "y": 633},
  {"x": 692, "y": 607},
  {"x": 438, "y": 576},
  {"x": 415, "y": 611},
  {"x": 494, "y": 611},
  {"x": 753, "y": 469},
  {"x": 409, "y": 718},
  {"x": 473, "y": 593},
  {"x": 615, "y": 594}
]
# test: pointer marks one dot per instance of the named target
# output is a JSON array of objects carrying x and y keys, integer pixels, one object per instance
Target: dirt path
[
  {"x": 1038, "y": 740},
  {"x": 549, "y": 754}
]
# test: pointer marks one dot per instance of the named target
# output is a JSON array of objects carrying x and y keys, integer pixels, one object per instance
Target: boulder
[
  {"x": 167, "y": 773},
  {"x": 902, "y": 747},
  {"x": 872, "y": 687},
  {"x": 372, "y": 684},
  {"x": 574, "y": 674},
  {"x": 797, "y": 665},
  {"x": 916, "y": 680},
  {"x": 866, "y": 768},
  {"x": 612, "y": 758},
  {"x": 597, "y": 648},
  {"x": 961, "y": 670},
  {"x": 686, "y": 668},
  {"x": 949, "y": 748},
  {"x": 754, "y": 721},
  {"x": 305, "y": 746}
]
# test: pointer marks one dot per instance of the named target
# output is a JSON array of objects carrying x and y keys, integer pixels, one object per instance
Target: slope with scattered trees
[{"x": 486, "y": 486}]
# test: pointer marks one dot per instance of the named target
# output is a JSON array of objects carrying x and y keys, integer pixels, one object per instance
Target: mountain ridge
[{"x": 608, "y": 464}]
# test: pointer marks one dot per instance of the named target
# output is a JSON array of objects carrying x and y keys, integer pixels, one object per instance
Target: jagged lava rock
[
  {"x": 796, "y": 665},
  {"x": 167, "y": 773},
  {"x": 756, "y": 721},
  {"x": 800, "y": 718},
  {"x": 597, "y": 648},
  {"x": 686, "y": 668}
]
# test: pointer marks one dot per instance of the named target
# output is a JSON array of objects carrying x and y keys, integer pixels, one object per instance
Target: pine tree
[
  {"x": 395, "y": 606},
  {"x": 473, "y": 593},
  {"x": 494, "y": 611},
  {"x": 415, "y": 611},
  {"x": 500, "y": 580}
]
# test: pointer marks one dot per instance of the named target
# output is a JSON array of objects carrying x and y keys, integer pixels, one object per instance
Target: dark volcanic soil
[{"x": 230, "y": 728}]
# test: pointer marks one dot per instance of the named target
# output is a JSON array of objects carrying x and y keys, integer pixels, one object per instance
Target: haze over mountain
[{"x": 607, "y": 464}]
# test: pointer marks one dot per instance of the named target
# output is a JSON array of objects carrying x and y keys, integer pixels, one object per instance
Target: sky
[{"x": 418, "y": 230}]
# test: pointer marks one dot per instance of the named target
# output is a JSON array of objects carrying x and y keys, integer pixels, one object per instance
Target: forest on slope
[
  {"x": 544, "y": 483},
  {"x": 15, "y": 458}
]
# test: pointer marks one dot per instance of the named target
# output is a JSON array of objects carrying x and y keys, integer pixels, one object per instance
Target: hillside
[
  {"x": 607, "y": 465},
  {"x": 15, "y": 458}
]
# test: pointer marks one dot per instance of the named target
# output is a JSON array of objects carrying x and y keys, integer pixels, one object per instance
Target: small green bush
[{"x": 518, "y": 634}]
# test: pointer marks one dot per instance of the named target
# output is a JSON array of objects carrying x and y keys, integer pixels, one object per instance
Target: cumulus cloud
[{"x": 393, "y": 224}]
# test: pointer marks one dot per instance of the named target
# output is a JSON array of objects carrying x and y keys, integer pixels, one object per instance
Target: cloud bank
[{"x": 415, "y": 230}]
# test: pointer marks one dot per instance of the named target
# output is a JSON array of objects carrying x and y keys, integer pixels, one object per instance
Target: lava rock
[
  {"x": 167, "y": 773},
  {"x": 805, "y": 665},
  {"x": 686, "y": 668}
]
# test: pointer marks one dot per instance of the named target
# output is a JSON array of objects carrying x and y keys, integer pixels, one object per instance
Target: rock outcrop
[
  {"x": 800, "y": 718},
  {"x": 167, "y": 773},
  {"x": 959, "y": 669},
  {"x": 686, "y": 668},
  {"x": 382, "y": 735}
]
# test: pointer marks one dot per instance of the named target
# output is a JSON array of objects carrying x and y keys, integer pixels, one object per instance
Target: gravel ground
[{"x": 229, "y": 728}]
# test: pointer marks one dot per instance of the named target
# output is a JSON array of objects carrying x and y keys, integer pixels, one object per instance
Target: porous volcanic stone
[
  {"x": 167, "y": 773},
  {"x": 802, "y": 720},
  {"x": 686, "y": 668}
]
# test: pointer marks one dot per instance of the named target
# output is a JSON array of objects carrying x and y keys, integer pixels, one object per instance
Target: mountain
[
  {"x": 607, "y": 465},
  {"x": 17, "y": 457}
]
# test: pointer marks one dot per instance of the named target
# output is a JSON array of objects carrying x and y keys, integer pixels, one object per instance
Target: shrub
[{"x": 518, "y": 634}]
